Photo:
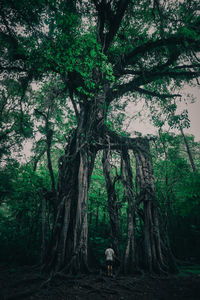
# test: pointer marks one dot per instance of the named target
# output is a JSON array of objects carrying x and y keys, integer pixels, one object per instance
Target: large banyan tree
[{"x": 103, "y": 50}]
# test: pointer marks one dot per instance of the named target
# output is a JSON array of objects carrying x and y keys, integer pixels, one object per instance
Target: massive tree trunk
[
  {"x": 129, "y": 263},
  {"x": 112, "y": 201},
  {"x": 68, "y": 247}
]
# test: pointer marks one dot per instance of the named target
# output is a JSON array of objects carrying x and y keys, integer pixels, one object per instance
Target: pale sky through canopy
[{"x": 144, "y": 125}]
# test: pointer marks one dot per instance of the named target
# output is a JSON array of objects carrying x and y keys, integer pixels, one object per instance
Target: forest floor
[{"x": 26, "y": 283}]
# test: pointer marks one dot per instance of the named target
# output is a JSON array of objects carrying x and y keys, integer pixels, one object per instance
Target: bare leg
[{"x": 111, "y": 271}]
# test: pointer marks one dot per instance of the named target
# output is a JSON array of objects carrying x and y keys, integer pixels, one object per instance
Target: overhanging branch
[
  {"x": 193, "y": 66},
  {"x": 173, "y": 41},
  {"x": 154, "y": 94},
  {"x": 146, "y": 78}
]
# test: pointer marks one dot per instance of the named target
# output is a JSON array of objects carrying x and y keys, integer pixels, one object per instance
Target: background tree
[
  {"x": 15, "y": 121},
  {"x": 177, "y": 191}
]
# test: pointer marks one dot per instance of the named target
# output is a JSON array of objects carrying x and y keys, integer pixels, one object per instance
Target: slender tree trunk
[
  {"x": 44, "y": 229},
  {"x": 97, "y": 218},
  {"x": 188, "y": 151},
  {"x": 104, "y": 222},
  {"x": 129, "y": 263},
  {"x": 53, "y": 201},
  {"x": 52, "y": 195},
  {"x": 168, "y": 202},
  {"x": 37, "y": 159},
  {"x": 49, "y": 135},
  {"x": 112, "y": 198}
]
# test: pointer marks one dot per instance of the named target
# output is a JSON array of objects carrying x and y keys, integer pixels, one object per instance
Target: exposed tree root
[
  {"x": 29, "y": 280},
  {"x": 61, "y": 286},
  {"x": 22, "y": 294},
  {"x": 29, "y": 292}
]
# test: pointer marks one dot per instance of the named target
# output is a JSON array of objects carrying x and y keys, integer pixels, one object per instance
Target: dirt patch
[{"x": 26, "y": 283}]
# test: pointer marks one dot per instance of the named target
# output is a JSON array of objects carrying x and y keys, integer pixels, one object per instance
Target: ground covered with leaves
[{"x": 27, "y": 283}]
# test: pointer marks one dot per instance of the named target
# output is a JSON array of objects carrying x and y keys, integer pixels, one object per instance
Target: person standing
[{"x": 110, "y": 254}]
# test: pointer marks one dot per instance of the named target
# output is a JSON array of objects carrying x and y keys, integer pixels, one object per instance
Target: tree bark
[
  {"x": 49, "y": 135},
  {"x": 68, "y": 247},
  {"x": 97, "y": 218},
  {"x": 188, "y": 151},
  {"x": 112, "y": 199},
  {"x": 44, "y": 229},
  {"x": 37, "y": 159},
  {"x": 157, "y": 258},
  {"x": 129, "y": 262}
]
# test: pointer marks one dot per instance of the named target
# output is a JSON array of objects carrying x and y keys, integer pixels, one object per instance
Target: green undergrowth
[{"x": 190, "y": 270}]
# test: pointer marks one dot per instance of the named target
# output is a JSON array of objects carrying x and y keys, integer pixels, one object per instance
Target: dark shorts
[{"x": 109, "y": 262}]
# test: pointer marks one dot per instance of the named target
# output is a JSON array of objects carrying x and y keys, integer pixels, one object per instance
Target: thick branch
[
  {"x": 101, "y": 19},
  {"x": 133, "y": 86},
  {"x": 133, "y": 72},
  {"x": 74, "y": 103},
  {"x": 132, "y": 57},
  {"x": 187, "y": 67},
  {"x": 115, "y": 22},
  {"x": 118, "y": 142},
  {"x": 154, "y": 94}
]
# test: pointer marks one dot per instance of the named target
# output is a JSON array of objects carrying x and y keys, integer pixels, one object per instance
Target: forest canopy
[{"x": 69, "y": 69}]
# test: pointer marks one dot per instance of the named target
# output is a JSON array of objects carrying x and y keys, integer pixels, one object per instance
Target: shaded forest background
[{"x": 84, "y": 57}]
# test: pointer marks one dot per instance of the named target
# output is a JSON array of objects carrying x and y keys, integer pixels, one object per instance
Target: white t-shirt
[{"x": 109, "y": 254}]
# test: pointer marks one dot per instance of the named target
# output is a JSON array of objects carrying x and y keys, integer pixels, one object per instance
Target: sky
[{"x": 144, "y": 126}]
